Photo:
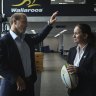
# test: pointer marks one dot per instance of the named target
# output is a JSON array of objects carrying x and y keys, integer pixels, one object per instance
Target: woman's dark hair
[{"x": 86, "y": 29}]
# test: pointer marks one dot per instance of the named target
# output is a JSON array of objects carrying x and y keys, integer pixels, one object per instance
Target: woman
[{"x": 82, "y": 61}]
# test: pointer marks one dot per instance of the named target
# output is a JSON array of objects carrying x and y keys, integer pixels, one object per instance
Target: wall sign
[{"x": 45, "y": 8}]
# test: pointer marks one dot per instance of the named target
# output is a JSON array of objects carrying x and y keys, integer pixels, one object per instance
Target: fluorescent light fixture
[
  {"x": 69, "y": 0},
  {"x": 60, "y": 33},
  {"x": 52, "y": 0},
  {"x": 63, "y": 31},
  {"x": 33, "y": 31},
  {"x": 63, "y": 3},
  {"x": 57, "y": 35}
]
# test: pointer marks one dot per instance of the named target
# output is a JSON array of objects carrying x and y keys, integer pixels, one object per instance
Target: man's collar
[{"x": 14, "y": 35}]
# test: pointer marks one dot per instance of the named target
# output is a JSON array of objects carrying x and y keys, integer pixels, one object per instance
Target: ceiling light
[
  {"x": 60, "y": 33},
  {"x": 69, "y": 0},
  {"x": 57, "y": 35},
  {"x": 62, "y": 3},
  {"x": 52, "y": 0},
  {"x": 63, "y": 31},
  {"x": 33, "y": 31}
]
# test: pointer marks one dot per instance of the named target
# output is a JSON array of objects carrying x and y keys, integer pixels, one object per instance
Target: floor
[{"x": 51, "y": 83}]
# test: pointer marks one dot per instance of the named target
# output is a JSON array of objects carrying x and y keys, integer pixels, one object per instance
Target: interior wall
[
  {"x": 56, "y": 43},
  {"x": 61, "y": 44},
  {"x": 51, "y": 42},
  {"x": 68, "y": 41}
]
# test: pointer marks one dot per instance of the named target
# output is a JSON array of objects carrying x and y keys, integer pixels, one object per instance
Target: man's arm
[
  {"x": 5, "y": 71},
  {"x": 41, "y": 36},
  {"x": 53, "y": 18}
]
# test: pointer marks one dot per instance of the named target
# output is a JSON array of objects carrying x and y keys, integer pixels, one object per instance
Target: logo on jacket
[
  {"x": 84, "y": 56},
  {"x": 29, "y": 3}
]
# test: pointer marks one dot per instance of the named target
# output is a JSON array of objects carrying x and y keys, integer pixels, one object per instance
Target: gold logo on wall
[{"x": 30, "y": 3}]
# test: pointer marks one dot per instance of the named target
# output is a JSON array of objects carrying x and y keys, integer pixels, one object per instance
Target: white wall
[
  {"x": 51, "y": 42},
  {"x": 56, "y": 43},
  {"x": 61, "y": 44},
  {"x": 68, "y": 41}
]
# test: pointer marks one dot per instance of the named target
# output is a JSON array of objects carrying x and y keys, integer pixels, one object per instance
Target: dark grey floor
[{"x": 51, "y": 83}]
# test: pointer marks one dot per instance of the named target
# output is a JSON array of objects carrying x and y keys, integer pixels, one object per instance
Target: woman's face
[{"x": 78, "y": 36}]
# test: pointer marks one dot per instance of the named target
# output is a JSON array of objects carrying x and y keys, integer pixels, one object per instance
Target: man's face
[{"x": 21, "y": 24}]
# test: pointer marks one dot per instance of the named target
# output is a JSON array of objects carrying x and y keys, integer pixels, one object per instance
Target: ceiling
[
  {"x": 58, "y": 27},
  {"x": 61, "y": 24}
]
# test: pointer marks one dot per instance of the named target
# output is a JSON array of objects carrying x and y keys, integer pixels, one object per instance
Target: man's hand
[
  {"x": 20, "y": 84},
  {"x": 53, "y": 18}
]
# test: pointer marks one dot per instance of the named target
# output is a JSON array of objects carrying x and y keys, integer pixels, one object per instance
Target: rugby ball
[{"x": 69, "y": 80}]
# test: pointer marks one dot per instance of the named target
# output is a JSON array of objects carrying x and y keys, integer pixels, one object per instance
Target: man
[{"x": 17, "y": 61}]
